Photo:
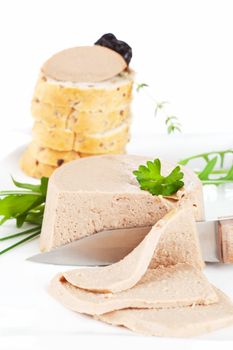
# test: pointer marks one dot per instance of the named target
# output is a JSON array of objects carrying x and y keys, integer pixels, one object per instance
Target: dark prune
[
  {"x": 60, "y": 162},
  {"x": 110, "y": 41}
]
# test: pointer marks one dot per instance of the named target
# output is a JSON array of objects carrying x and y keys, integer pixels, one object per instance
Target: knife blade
[
  {"x": 109, "y": 246},
  {"x": 100, "y": 249}
]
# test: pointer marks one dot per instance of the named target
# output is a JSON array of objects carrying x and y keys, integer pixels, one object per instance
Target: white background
[{"x": 181, "y": 48}]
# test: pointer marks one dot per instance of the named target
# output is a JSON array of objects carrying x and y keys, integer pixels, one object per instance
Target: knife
[{"x": 109, "y": 246}]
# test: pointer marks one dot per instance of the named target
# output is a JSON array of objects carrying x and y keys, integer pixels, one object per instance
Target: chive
[
  {"x": 20, "y": 242},
  {"x": 20, "y": 233}
]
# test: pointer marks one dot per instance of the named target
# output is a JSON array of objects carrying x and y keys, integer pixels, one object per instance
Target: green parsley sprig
[
  {"x": 26, "y": 206},
  {"x": 213, "y": 172},
  {"x": 151, "y": 180}
]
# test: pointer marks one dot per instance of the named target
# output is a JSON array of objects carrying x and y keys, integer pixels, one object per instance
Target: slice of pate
[
  {"x": 84, "y": 64},
  {"x": 91, "y": 194},
  {"x": 174, "y": 286},
  {"x": 177, "y": 322},
  {"x": 171, "y": 299},
  {"x": 179, "y": 224}
]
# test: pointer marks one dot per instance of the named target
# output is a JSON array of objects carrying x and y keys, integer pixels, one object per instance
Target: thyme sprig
[{"x": 172, "y": 122}]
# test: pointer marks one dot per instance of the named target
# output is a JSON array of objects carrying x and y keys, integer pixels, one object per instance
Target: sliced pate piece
[
  {"x": 127, "y": 272},
  {"x": 179, "y": 242},
  {"x": 87, "y": 64},
  {"x": 177, "y": 322},
  {"x": 91, "y": 194},
  {"x": 174, "y": 286}
]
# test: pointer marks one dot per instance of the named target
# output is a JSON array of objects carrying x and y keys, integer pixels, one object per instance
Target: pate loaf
[{"x": 95, "y": 193}]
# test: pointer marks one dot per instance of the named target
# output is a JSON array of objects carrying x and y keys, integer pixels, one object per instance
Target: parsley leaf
[{"x": 151, "y": 179}]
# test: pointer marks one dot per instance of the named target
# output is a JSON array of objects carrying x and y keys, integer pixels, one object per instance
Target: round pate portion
[
  {"x": 84, "y": 64},
  {"x": 96, "y": 193}
]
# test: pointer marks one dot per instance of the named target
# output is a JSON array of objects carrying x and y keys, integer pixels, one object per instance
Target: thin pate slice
[
  {"x": 178, "y": 322},
  {"x": 84, "y": 64},
  {"x": 174, "y": 286},
  {"x": 128, "y": 271}
]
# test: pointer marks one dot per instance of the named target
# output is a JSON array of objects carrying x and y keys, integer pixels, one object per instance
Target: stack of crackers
[{"x": 81, "y": 107}]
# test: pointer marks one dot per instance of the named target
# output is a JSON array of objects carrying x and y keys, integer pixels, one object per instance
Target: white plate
[{"x": 27, "y": 310}]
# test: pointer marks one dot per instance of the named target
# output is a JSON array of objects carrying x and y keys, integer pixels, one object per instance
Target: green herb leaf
[
  {"x": 19, "y": 204},
  {"x": 35, "y": 218},
  {"x": 21, "y": 219},
  {"x": 44, "y": 186},
  {"x": 159, "y": 106},
  {"x": 25, "y": 206},
  {"x": 40, "y": 189},
  {"x": 17, "y": 192},
  {"x": 34, "y": 188},
  {"x": 13, "y": 206},
  {"x": 213, "y": 172},
  {"x": 151, "y": 179},
  {"x": 172, "y": 124},
  {"x": 204, "y": 174},
  {"x": 229, "y": 175},
  {"x": 140, "y": 86}
]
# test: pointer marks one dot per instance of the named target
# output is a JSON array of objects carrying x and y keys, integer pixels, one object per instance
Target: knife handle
[{"x": 225, "y": 236}]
